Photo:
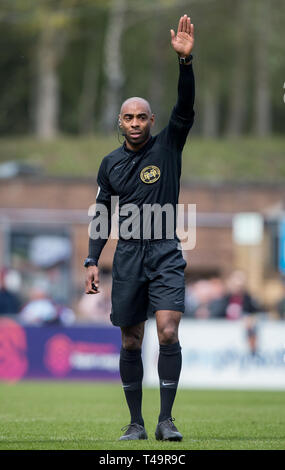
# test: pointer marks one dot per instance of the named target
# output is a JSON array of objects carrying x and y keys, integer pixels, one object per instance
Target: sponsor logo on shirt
[{"x": 150, "y": 174}]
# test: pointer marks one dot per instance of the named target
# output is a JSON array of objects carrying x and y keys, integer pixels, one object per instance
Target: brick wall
[{"x": 213, "y": 251}]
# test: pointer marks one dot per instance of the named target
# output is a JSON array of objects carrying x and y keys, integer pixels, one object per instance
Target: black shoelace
[{"x": 129, "y": 426}]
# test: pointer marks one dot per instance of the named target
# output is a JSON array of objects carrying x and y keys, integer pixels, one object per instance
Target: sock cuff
[
  {"x": 170, "y": 349},
  {"x": 130, "y": 354}
]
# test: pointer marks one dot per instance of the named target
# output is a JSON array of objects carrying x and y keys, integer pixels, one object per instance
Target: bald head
[
  {"x": 135, "y": 121},
  {"x": 134, "y": 103}
]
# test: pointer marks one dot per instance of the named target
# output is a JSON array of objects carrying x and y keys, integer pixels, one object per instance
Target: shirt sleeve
[
  {"x": 98, "y": 241},
  {"x": 182, "y": 116}
]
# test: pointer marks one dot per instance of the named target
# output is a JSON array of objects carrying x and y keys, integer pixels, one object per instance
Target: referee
[{"x": 148, "y": 271}]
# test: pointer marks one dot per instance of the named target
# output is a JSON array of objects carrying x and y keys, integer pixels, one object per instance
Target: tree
[
  {"x": 87, "y": 99},
  {"x": 238, "y": 104},
  {"x": 48, "y": 53},
  {"x": 262, "y": 123},
  {"x": 112, "y": 57},
  {"x": 50, "y": 23}
]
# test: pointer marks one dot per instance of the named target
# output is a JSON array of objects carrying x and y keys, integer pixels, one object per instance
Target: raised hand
[{"x": 183, "y": 41}]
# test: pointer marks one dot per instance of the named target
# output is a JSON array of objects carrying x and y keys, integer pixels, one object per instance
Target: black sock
[
  {"x": 131, "y": 370},
  {"x": 169, "y": 367}
]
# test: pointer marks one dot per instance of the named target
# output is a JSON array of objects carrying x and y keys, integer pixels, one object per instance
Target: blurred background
[{"x": 66, "y": 66}]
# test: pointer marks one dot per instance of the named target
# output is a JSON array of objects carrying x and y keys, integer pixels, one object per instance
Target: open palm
[{"x": 183, "y": 41}]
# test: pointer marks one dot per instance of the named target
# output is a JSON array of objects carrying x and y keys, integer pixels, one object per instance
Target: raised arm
[
  {"x": 183, "y": 43},
  {"x": 182, "y": 116}
]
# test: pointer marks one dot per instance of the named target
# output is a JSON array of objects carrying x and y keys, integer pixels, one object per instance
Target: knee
[
  {"x": 132, "y": 340},
  {"x": 168, "y": 335}
]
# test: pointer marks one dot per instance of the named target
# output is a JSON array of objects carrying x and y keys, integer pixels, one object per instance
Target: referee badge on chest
[{"x": 150, "y": 174}]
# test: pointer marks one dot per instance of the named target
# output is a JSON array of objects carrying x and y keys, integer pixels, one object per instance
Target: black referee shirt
[{"x": 150, "y": 175}]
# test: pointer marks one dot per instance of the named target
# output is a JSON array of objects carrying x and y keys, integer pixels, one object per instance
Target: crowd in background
[
  {"x": 39, "y": 309},
  {"x": 215, "y": 298},
  {"x": 212, "y": 298}
]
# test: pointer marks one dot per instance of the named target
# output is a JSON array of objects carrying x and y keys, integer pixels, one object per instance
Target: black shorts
[{"x": 147, "y": 276}]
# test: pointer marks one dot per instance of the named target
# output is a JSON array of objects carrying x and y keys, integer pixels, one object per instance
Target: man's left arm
[{"x": 182, "y": 116}]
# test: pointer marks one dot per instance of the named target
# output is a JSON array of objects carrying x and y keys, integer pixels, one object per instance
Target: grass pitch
[{"x": 88, "y": 415}]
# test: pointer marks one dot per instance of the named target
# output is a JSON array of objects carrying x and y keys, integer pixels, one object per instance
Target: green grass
[
  {"x": 88, "y": 415},
  {"x": 241, "y": 159}
]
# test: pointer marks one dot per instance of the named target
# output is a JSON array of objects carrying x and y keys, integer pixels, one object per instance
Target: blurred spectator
[
  {"x": 96, "y": 308},
  {"x": 201, "y": 297},
  {"x": 215, "y": 299},
  {"x": 237, "y": 301},
  {"x": 251, "y": 333},
  {"x": 238, "y": 304},
  {"x": 197, "y": 299},
  {"x": 42, "y": 310},
  {"x": 66, "y": 315},
  {"x": 280, "y": 307},
  {"x": 9, "y": 301}
]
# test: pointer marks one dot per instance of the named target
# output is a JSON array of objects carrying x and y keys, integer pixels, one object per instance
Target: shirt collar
[{"x": 142, "y": 149}]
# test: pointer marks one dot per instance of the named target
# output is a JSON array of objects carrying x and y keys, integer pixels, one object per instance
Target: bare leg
[
  {"x": 132, "y": 336},
  {"x": 167, "y": 322}
]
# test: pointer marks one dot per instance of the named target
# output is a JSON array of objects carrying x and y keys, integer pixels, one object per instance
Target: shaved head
[
  {"x": 136, "y": 120},
  {"x": 136, "y": 102}
]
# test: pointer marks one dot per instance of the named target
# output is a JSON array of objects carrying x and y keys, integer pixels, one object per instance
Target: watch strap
[
  {"x": 185, "y": 60},
  {"x": 90, "y": 262}
]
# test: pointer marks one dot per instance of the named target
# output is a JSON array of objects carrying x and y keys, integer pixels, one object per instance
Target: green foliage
[
  {"x": 244, "y": 159},
  {"x": 217, "y": 30}
]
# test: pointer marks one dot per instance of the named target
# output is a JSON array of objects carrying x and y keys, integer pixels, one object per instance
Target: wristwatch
[
  {"x": 90, "y": 262},
  {"x": 185, "y": 60}
]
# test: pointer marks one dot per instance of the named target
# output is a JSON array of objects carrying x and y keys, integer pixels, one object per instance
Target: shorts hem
[
  {"x": 176, "y": 308},
  {"x": 123, "y": 324}
]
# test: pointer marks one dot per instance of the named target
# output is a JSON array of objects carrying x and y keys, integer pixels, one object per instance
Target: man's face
[{"x": 136, "y": 121}]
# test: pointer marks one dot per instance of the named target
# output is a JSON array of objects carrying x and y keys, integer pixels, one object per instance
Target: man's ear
[{"x": 152, "y": 119}]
